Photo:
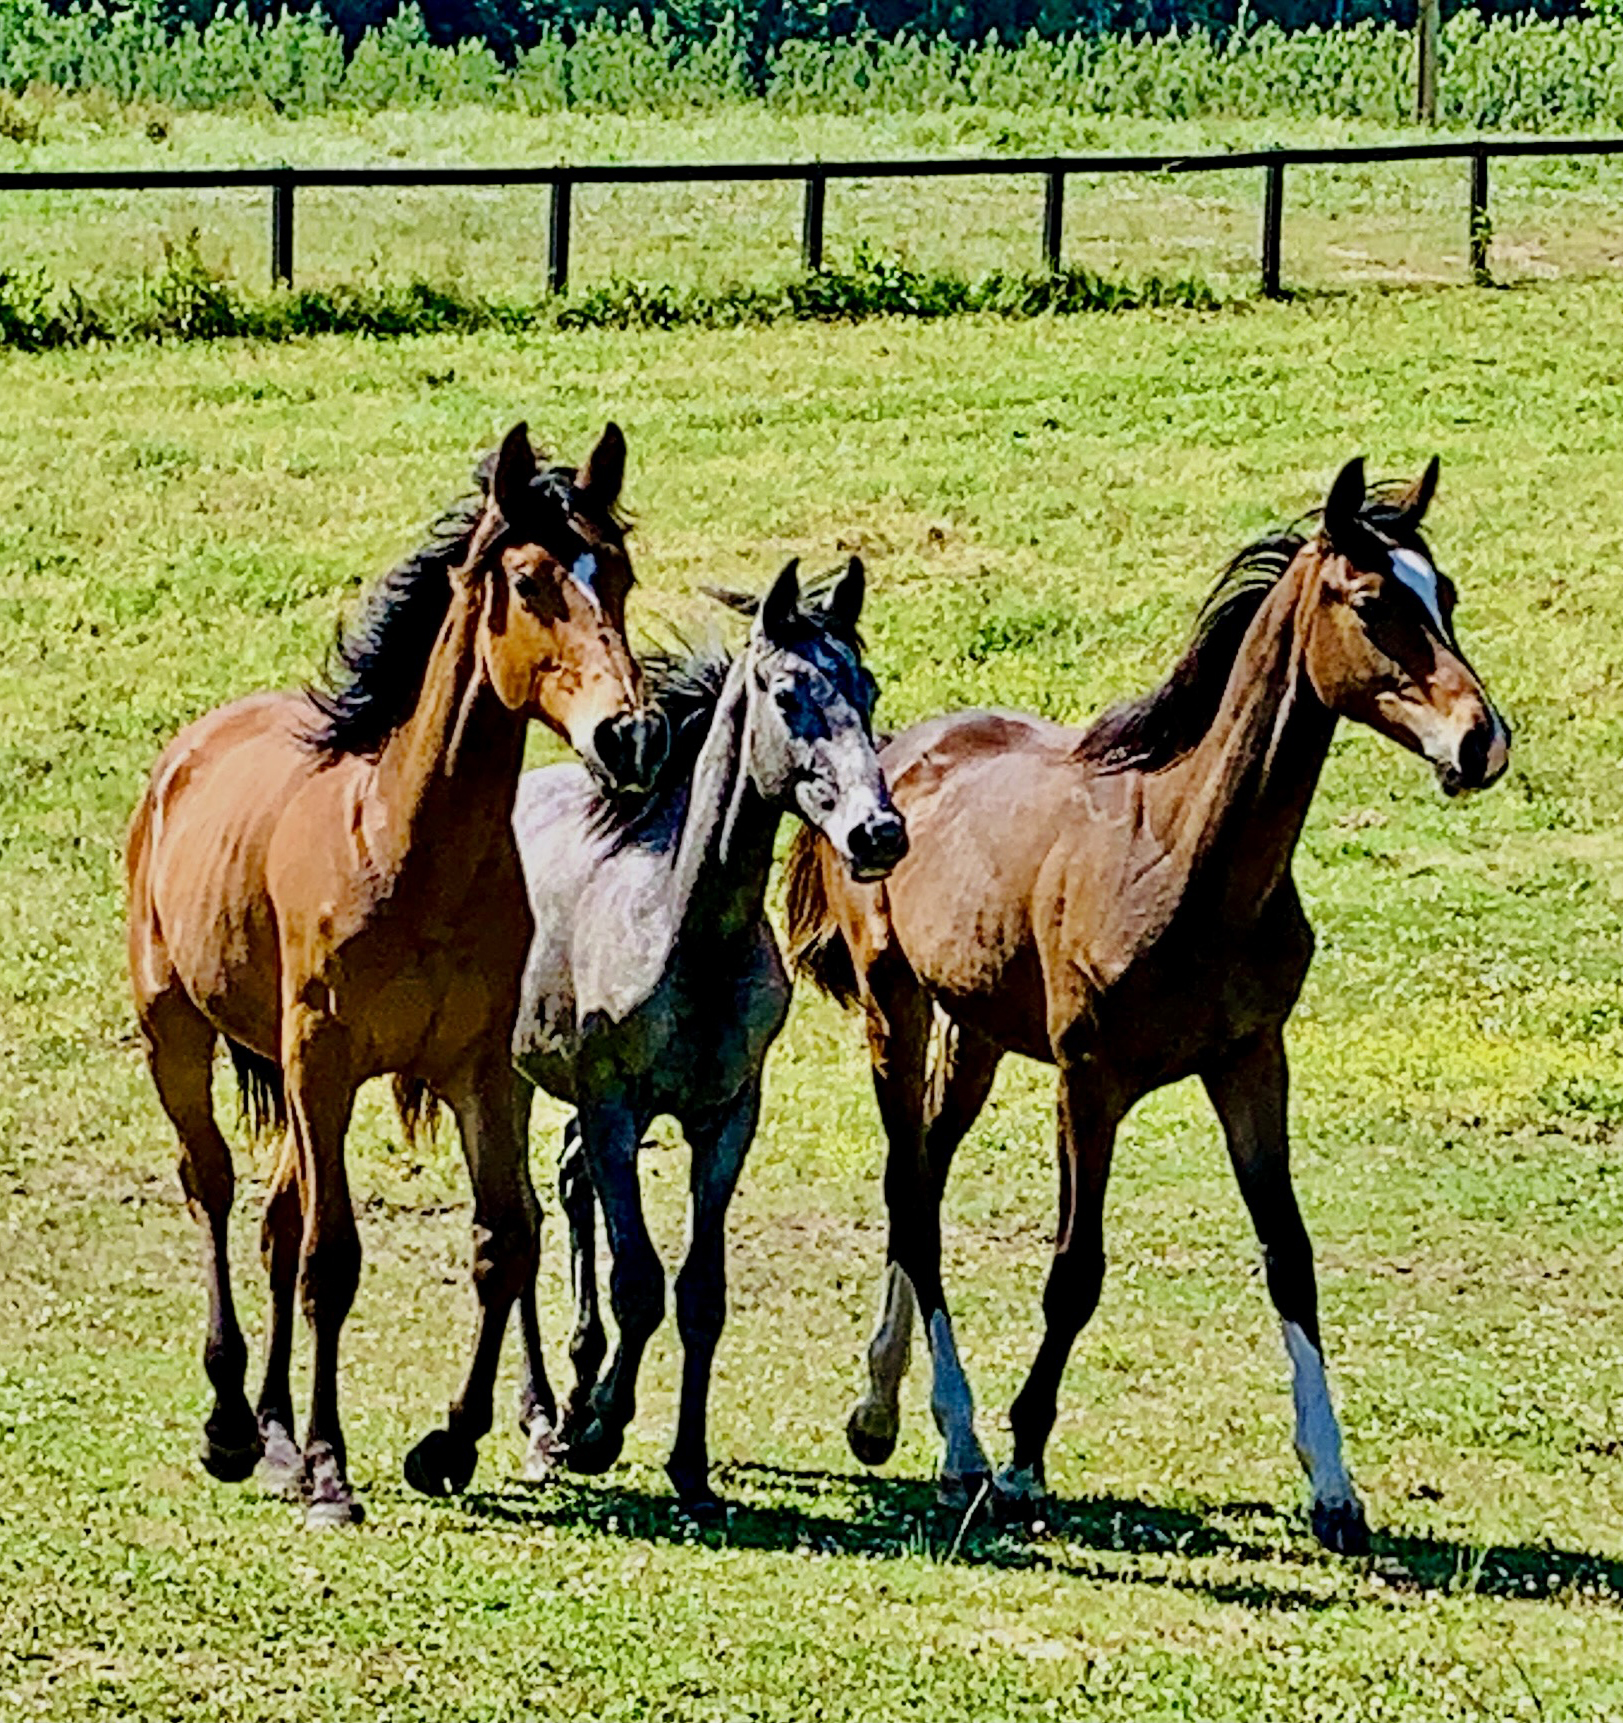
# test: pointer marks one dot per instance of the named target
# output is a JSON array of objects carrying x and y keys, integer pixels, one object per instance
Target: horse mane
[
  {"x": 374, "y": 672},
  {"x": 1160, "y": 727}
]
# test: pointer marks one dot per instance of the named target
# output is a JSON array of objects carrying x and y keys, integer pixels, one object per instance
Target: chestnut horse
[
  {"x": 1118, "y": 902},
  {"x": 329, "y": 881}
]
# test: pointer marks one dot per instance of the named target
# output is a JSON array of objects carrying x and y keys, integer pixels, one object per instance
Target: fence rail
[{"x": 284, "y": 182}]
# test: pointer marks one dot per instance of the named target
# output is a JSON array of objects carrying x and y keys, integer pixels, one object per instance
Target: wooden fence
[{"x": 284, "y": 183}]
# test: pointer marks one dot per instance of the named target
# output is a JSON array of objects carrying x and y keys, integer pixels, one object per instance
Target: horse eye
[{"x": 526, "y": 586}]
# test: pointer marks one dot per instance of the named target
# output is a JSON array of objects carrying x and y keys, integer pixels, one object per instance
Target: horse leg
[
  {"x": 281, "y": 1233},
  {"x": 915, "y": 1178},
  {"x": 609, "y": 1136},
  {"x": 180, "y": 1054},
  {"x": 504, "y": 1262},
  {"x": 719, "y": 1145},
  {"x": 1087, "y": 1131},
  {"x": 321, "y": 1096},
  {"x": 1249, "y": 1093},
  {"x": 537, "y": 1408},
  {"x": 588, "y": 1345},
  {"x": 898, "y": 1022}
]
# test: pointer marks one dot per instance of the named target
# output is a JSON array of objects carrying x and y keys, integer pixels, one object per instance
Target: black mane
[
  {"x": 1163, "y": 725},
  {"x": 683, "y": 686},
  {"x": 374, "y": 673}
]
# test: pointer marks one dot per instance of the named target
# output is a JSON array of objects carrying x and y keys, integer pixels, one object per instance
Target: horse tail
[
  {"x": 260, "y": 1089},
  {"x": 817, "y": 947},
  {"x": 418, "y": 1107}
]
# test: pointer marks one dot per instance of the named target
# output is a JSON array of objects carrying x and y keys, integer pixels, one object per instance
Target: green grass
[
  {"x": 1042, "y": 505},
  {"x": 1389, "y": 225}
]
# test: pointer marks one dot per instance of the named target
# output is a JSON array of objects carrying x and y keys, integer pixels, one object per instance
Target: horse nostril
[
  {"x": 1474, "y": 747},
  {"x": 878, "y": 845}
]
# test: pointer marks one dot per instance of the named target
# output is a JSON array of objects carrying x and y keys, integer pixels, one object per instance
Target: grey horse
[{"x": 654, "y": 983}]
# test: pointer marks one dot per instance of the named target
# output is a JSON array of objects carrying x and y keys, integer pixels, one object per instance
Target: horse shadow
[{"x": 1101, "y": 1539}]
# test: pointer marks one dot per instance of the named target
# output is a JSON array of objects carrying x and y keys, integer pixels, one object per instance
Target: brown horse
[
  {"x": 329, "y": 880},
  {"x": 1119, "y": 902}
]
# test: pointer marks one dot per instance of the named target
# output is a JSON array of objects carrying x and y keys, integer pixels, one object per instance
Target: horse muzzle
[
  {"x": 873, "y": 847},
  {"x": 628, "y": 749},
  {"x": 1480, "y": 758}
]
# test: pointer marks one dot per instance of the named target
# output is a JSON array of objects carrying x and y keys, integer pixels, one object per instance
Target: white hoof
[{"x": 544, "y": 1456}]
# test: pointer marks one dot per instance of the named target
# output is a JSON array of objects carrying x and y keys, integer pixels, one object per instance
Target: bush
[
  {"x": 1510, "y": 71},
  {"x": 186, "y": 301}
]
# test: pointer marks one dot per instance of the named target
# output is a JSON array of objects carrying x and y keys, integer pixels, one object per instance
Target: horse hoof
[
  {"x": 1020, "y": 1496},
  {"x": 1341, "y": 1527},
  {"x": 871, "y": 1447},
  {"x": 333, "y": 1510},
  {"x": 281, "y": 1464},
  {"x": 545, "y": 1453},
  {"x": 595, "y": 1449},
  {"x": 702, "y": 1510},
  {"x": 441, "y": 1464},
  {"x": 330, "y": 1500},
  {"x": 965, "y": 1493},
  {"x": 231, "y": 1448}
]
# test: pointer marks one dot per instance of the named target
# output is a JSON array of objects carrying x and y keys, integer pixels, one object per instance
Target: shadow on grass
[{"x": 1094, "y": 1539}]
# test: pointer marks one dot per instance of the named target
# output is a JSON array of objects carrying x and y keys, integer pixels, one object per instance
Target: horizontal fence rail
[{"x": 284, "y": 182}]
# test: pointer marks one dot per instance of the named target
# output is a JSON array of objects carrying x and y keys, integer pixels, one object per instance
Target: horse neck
[
  {"x": 725, "y": 852},
  {"x": 1244, "y": 791},
  {"x": 443, "y": 787}
]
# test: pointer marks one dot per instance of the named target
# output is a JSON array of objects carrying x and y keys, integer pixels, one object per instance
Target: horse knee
[
  {"x": 505, "y": 1257},
  {"x": 701, "y": 1307},
  {"x": 330, "y": 1273},
  {"x": 637, "y": 1291},
  {"x": 206, "y": 1175}
]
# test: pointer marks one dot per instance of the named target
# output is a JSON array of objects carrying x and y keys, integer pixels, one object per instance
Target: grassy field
[
  {"x": 1397, "y": 225},
  {"x": 1042, "y": 505}
]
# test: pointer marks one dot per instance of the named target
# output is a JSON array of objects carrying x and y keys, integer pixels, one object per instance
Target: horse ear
[
  {"x": 1344, "y": 529},
  {"x": 781, "y": 606},
  {"x": 1418, "y": 498},
  {"x": 515, "y": 471},
  {"x": 844, "y": 604},
  {"x": 604, "y": 470}
]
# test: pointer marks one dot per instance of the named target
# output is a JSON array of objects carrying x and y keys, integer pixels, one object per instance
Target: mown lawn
[{"x": 1042, "y": 506}]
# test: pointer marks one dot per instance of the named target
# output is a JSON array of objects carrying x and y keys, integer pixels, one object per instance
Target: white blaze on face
[
  {"x": 583, "y": 571},
  {"x": 1318, "y": 1435},
  {"x": 1421, "y": 579},
  {"x": 953, "y": 1404}
]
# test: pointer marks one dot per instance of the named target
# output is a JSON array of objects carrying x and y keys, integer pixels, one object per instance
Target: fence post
[
  {"x": 811, "y": 225},
  {"x": 558, "y": 235},
  {"x": 1428, "y": 27},
  {"x": 282, "y": 229},
  {"x": 1054, "y": 218},
  {"x": 1273, "y": 218},
  {"x": 1481, "y": 220}
]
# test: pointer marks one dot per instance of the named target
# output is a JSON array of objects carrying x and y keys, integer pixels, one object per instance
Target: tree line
[{"x": 509, "y": 26}]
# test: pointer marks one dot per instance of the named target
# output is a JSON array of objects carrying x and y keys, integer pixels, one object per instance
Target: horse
[
  {"x": 654, "y": 983},
  {"x": 327, "y": 879},
  {"x": 1118, "y": 902}
]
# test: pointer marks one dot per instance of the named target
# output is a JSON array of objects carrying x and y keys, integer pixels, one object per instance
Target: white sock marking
[
  {"x": 1318, "y": 1435},
  {"x": 890, "y": 1351},
  {"x": 953, "y": 1404}
]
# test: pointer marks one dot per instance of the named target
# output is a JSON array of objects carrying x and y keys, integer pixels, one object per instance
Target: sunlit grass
[{"x": 1042, "y": 505}]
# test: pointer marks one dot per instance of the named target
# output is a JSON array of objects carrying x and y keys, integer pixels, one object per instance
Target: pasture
[
  {"x": 1392, "y": 224},
  {"x": 1042, "y": 505}
]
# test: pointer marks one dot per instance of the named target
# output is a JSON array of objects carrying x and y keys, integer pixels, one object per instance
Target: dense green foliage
[
  {"x": 1512, "y": 71},
  {"x": 187, "y": 302}
]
